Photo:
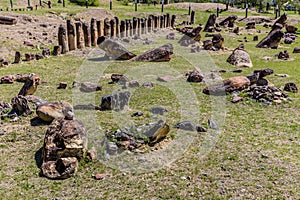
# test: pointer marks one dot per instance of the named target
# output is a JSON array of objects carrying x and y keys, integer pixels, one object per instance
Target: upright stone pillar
[
  {"x": 18, "y": 57},
  {"x": 130, "y": 28},
  {"x": 87, "y": 34},
  {"x": 117, "y": 22},
  {"x": 161, "y": 21},
  {"x": 107, "y": 28},
  {"x": 122, "y": 28},
  {"x": 168, "y": 23},
  {"x": 155, "y": 22},
  {"x": 100, "y": 28},
  {"x": 173, "y": 21},
  {"x": 134, "y": 25},
  {"x": 94, "y": 32},
  {"x": 79, "y": 35},
  {"x": 139, "y": 29},
  {"x": 71, "y": 30},
  {"x": 150, "y": 21},
  {"x": 127, "y": 28},
  {"x": 62, "y": 39},
  {"x": 113, "y": 28},
  {"x": 192, "y": 17}
]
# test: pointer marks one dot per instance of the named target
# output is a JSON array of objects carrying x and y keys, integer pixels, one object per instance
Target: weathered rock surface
[
  {"x": 190, "y": 36},
  {"x": 7, "y": 79},
  {"x": 195, "y": 76},
  {"x": 290, "y": 87},
  {"x": 229, "y": 21},
  {"x": 61, "y": 168},
  {"x": 65, "y": 142},
  {"x": 30, "y": 85},
  {"x": 237, "y": 83},
  {"x": 115, "y": 101},
  {"x": 89, "y": 87},
  {"x": 160, "y": 54},
  {"x": 240, "y": 58},
  {"x": 113, "y": 49},
  {"x": 135, "y": 137},
  {"x": 51, "y": 110},
  {"x": 119, "y": 78},
  {"x": 271, "y": 40},
  {"x": 4, "y": 106},
  {"x": 20, "y": 106},
  {"x": 210, "y": 24},
  {"x": 189, "y": 126}
]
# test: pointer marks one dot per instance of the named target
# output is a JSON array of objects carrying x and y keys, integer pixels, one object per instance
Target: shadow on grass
[
  {"x": 38, "y": 157},
  {"x": 36, "y": 121}
]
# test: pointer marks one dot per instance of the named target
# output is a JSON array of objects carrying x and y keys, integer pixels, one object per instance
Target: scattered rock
[
  {"x": 191, "y": 36},
  {"x": 115, "y": 101},
  {"x": 266, "y": 94},
  {"x": 148, "y": 85},
  {"x": 235, "y": 98},
  {"x": 30, "y": 85},
  {"x": 283, "y": 55},
  {"x": 240, "y": 58},
  {"x": 271, "y": 40},
  {"x": 158, "y": 110},
  {"x": 296, "y": 50},
  {"x": 29, "y": 56},
  {"x": 229, "y": 21},
  {"x": 160, "y": 54},
  {"x": 290, "y": 28},
  {"x": 290, "y": 87},
  {"x": 61, "y": 168},
  {"x": 52, "y": 110},
  {"x": 99, "y": 176},
  {"x": 137, "y": 114},
  {"x": 20, "y": 106},
  {"x": 189, "y": 126},
  {"x": 65, "y": 142},
  {"x": 89, "y": 87},
  {"x": 62, "y": 85},
  {"x": 4, "y": 107},
  {"x": 8, "y": 79},
  {"x": 237, "y": 83},
  {"x": 170, "y": 36},
  {"x": 250, "y": 25},
  {"x": 113, "y": 49},
  {"x": 119, "y": 78},
  {"x": 133, "y": 83},
  {"x": 195, "y": 76},
  {"x": 212, "y": 124}
]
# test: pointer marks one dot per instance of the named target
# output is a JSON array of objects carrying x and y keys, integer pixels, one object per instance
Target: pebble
[{"x": 99, "y": 176}]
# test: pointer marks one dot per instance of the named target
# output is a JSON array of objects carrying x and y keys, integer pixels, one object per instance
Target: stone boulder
[
  {"x": 89, "y": 87},
  {"x": 159, "y": 54},
  {"x": 240, "y": 58},
  {"x": 30, "y": 85},
  {"x": 271, "y": 40},
  {"x": 65, "y": 142},
  {"x": 115, "y": 101},
  {"x": 290, "y": 28},
  {"x": 195, "y": 76},
  {"x": 290, "y": 87},
  {"x": 62, "y": 168},
  {"x": 114, "y": 50},
  {"x": 237, "y": 83},
  {"x": 8, "y": 79},
  {"x": 20, "y": 106},
  {"x": 51, "y": 110}
]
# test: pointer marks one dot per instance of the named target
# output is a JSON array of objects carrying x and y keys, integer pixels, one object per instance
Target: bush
[{"x": 83, "y": 2}]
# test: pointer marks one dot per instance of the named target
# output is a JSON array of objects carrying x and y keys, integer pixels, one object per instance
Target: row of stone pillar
[{"x": 79, "y": 34}]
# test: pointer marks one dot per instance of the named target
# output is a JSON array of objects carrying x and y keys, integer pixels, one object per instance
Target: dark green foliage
[{"x": 83, "y": 2}]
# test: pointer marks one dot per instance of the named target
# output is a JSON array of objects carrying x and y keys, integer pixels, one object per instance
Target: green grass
[{"x": 255, "y": 157}]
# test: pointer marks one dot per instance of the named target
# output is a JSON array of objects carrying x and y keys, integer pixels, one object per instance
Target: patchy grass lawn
[{"x": 256, "y": 155}]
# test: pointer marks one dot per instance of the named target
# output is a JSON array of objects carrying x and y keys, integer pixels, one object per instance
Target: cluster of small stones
[{"x": 78, "y": 35}]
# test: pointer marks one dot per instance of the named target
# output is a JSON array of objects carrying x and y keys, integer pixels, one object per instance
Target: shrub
[{"x": 83, "y": 2}]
